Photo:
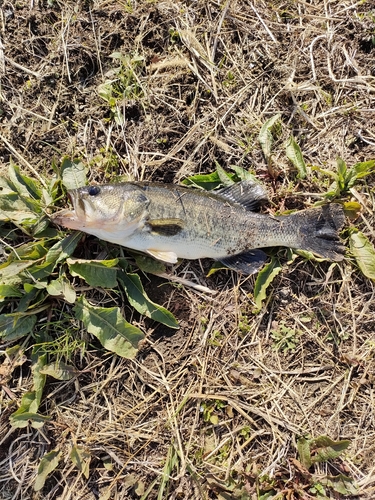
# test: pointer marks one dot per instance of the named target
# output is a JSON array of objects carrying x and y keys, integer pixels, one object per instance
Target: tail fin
[{"x": 319, "y": 229}]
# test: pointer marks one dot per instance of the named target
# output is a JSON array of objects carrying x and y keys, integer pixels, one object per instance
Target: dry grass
[{"x": 213, "y": 410}]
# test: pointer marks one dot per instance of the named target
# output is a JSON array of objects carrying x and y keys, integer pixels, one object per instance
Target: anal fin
[
  {"x": 169, "y": 257},
  {"x": 246, "y": 263}
]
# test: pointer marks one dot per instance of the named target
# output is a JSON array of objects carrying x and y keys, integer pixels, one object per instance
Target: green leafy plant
[
  {"x": 345, "y": 178},
  {"x": 38, "y": 267},
  {"x": 285, "y": 339},
  {"x": 122, "y": 83},
  {"x": 323, "y": 449},
  {"x": 210, "y": 411},
  {"x": 294, "y": 154},
  {"x": 39, "y": 272},
  {"x": 266, "y": 140},
  {"x": 318, "y": 450}
]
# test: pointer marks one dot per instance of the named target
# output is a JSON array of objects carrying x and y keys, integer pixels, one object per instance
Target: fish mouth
[
  {"x": 72, "y": 218},
  {"x": 67, "y": 218}
]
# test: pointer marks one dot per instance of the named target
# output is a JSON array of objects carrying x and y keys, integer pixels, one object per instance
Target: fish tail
[{"x": 319, "y": 231}]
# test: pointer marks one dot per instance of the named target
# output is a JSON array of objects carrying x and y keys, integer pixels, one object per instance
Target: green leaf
[
  {"x": 13, "y": 326},
  {"x": 28, "y": 403},
  {"x": 265, "y": 137},
  {"x": 73, "y": 173},
  {"x": 139, "y": 300},
  {"x": 342, "y": 484},
  {"x": 39, "y": 381},
  {"x": 41, "y": 226},
  {"x": 6, "y": 186},
  {"x": 9, "y": 271},
  {"x": 97, "y": 273},
  {"x": 294, "y": 154},
  {"x": 341, "y": 173},
  {"x": 41, "y": 271},
  {"x": 16, "y": 210},
  {"x": 364, "y": 168},
  {"x": 264, "y": 279},
  {"x": 34, "y": 296},
  {"x": 324, "y": 448},
  {"x": 216, "y": 266},
  {"x": 8, "y": 291},
  {"x": 63, "y": 248},
  {"x": 33, "y": 251},
  {"x": 303, "y": 447},
  {"x": 352, "y": 209},
  {"x": 206, "y": 181},
  {"x": 81, "y": 459},
  {"x": 363, "y": 252},
  {"x": 226, "y": 179},
  {"x": 149, "y": 265},
  {"x": 47, "y": 465},
  {"x": 24, "y": 419},
  {"x": 331, "y": 174},
  {"x": 25, "y": 186},
  {"x": 27, "y": 412},
  {"x": 62, "y": 287},
  {"x": 109, "y": 326},
  {"x": 243, "y": 174},
  {"x": 59, "y": 370}
]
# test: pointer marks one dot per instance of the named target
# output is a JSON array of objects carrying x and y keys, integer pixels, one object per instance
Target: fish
[{"x": 171, "y": 222}]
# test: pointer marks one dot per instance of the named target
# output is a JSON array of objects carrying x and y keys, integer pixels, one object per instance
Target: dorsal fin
[{"x": 249, "y": 194}]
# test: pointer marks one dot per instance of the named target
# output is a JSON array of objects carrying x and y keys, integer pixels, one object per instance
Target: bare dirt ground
[{"x": 215, "y": 409}]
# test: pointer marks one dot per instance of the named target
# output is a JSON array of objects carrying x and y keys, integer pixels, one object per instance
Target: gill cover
[{"x": 109, "y": 204}]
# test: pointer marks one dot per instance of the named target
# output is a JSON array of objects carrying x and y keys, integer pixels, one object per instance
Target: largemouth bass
[{"x": 170, "y": 221}]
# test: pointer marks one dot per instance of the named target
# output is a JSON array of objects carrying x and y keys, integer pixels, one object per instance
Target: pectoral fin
[
  {"x": 169, "y": 257},
  {"x": 166, "y": 227},
  {"x": 246, "y": 263}
]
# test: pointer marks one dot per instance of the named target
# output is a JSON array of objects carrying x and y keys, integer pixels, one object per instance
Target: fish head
[{"x": 105, "y": 209}]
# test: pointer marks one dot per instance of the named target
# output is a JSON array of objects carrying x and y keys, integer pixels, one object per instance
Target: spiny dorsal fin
[
  {"x": 166, "y": 227},
  {"x": 249, "y": 194}
]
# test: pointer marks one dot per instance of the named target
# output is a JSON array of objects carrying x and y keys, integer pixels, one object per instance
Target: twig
[
  {"x": 186, "y": 282},
  {"x": 264, "y": 24},
  {"x": 22, "y": 160},
  {"x": 22, "y": 68}
]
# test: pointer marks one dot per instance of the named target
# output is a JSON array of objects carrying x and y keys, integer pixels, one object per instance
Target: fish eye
[{"x": 93, "y": 190}]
